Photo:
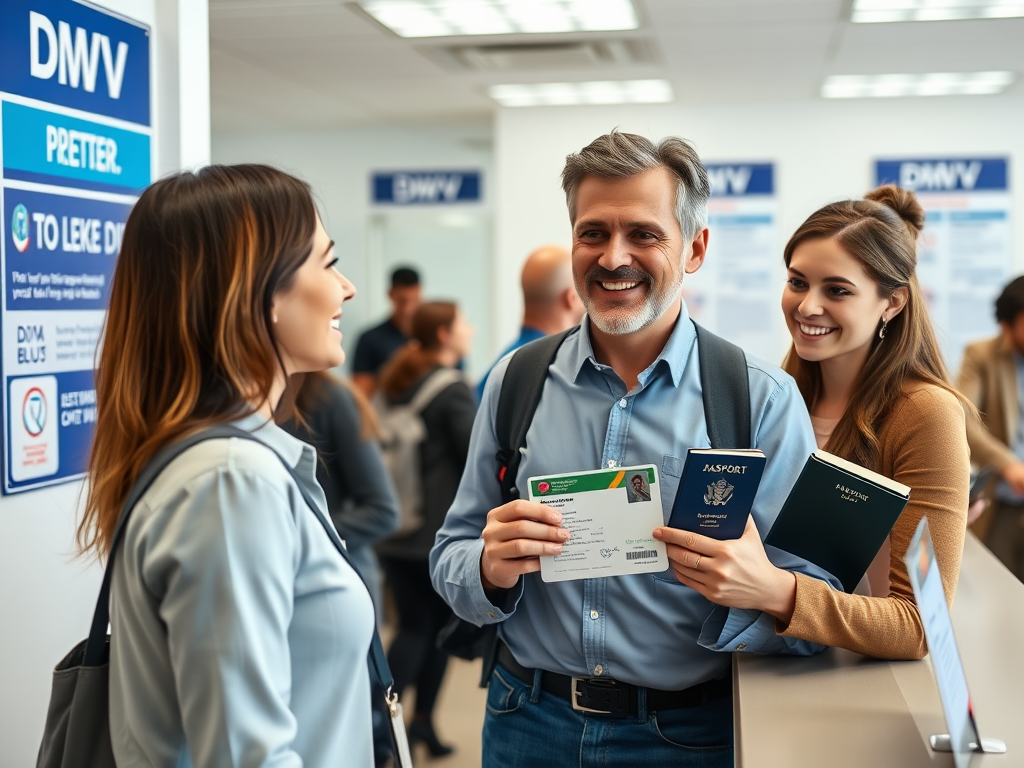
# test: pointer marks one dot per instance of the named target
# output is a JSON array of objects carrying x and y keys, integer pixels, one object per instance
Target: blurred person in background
[
  {"x": 337, "y": 420},
  {"x": 992, "y": 377},
  {"x": 550, "y": 302},
  {"x": 376, "y": 346},
  {"x": 440, "y": 338}
]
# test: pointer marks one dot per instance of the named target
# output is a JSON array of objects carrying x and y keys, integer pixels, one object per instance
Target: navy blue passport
[{"x": 716, "y": 491}]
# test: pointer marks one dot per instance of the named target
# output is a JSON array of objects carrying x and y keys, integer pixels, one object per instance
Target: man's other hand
[{"x": 515, "y": 537}]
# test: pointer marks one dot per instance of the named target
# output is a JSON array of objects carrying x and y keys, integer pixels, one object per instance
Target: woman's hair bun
[{"x": 903, "y": 202}]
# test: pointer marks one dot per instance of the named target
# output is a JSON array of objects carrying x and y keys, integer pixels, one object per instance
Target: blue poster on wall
[
  {"x": 76, "y": 150},
  {"x": 965, "y": 252}
]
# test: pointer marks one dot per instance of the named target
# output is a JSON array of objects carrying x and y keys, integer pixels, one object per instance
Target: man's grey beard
[{"x": 619, "y": 323}]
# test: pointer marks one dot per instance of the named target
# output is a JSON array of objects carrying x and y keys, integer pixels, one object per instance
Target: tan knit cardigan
[{"x": 923, "y": 444}]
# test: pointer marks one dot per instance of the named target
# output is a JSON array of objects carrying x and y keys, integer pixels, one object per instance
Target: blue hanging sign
[
  {"x": 426, "y": 187},
  {"x": 741, "y": 179},
  {"x": 970, "y": 174}
]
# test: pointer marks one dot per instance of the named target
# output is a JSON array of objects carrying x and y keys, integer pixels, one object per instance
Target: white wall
[
  {"x": 47, "y": 595},
  {"x": 338, "y": 164},
  {"x": 824, "y": 151}
]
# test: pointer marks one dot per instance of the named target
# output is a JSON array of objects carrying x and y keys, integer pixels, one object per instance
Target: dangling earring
[{"x": 881, "y": 331}]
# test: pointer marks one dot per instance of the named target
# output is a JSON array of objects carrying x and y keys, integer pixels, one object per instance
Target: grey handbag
[{"x": 77, "y": 730}]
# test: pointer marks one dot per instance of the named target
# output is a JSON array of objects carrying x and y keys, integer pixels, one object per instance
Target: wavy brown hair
[
  {"x": 881, "y": 232},
  {"x": 420, "y": 355},
  {"x": 187, "y": 341}
]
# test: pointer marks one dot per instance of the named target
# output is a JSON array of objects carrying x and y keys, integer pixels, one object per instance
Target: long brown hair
[
  {"x": 881, "y": 232},
  {"x": 187, "y": 341},
  {"x": 417, "y": 357}
]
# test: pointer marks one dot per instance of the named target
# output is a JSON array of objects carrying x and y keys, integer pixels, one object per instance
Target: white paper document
[{"x": 610, "y": 515}]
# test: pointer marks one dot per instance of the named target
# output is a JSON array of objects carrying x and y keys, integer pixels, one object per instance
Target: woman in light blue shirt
[{"x": 239, "y": 633}]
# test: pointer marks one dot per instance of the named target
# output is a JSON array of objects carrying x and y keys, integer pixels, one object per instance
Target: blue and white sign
[
  {"x": 965, "y": 252},
  {"x": 427, "y": 187},
  {"x": 51, "y": 148},
  {"x": 732, "y": 293},
  {"x": 950, "y": 175},
  {"x": 77, "y": 148},
  {"x": 75, "y": 55},
  {"x": 741, "y": 179}
]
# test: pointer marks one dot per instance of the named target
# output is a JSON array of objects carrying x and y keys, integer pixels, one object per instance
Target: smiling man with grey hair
[{"x": 621, "y": 670}]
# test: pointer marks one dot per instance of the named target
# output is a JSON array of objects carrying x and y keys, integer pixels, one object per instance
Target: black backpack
[{"x": 725, "y": 391}]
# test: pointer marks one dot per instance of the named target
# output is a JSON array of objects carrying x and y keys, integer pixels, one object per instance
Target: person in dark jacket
[{"x": 440, "y": 338}]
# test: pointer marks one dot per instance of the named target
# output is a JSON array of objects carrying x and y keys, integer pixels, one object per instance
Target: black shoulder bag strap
[
  {"x": 725, "y": 390},
  {"x": 97, "y": 647},
  {"x": 517, "y": 402}
]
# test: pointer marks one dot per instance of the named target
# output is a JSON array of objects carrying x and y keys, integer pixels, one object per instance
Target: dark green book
[{"x": 838, "y": 515}]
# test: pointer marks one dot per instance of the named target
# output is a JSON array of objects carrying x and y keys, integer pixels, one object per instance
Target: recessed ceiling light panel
[
  {"x": 933, "y": 84},
  {"x": 571, "y": 94},
  {"x": 446, "y": 18},
  {"x": 873, "y": 11}
]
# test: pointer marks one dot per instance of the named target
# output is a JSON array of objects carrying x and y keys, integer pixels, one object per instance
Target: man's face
[
  {"x": 638, "y": 484},
  {"x": 1014, "y": 332},
  {"x": 629, "y": 254},
  {"x": 405, "y": 300}
]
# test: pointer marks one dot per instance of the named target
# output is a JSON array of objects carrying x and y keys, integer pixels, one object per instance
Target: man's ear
[{"x": 697, "y": 251}]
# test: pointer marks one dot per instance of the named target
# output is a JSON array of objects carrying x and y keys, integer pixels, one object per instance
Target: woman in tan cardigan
[{"x": 866, "y": 360}]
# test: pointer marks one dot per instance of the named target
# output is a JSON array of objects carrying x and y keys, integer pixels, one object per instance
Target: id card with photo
[{"x": 610, "y": 515}]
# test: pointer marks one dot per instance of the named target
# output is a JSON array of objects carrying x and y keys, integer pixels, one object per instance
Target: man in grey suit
[{"x": 992, "y": 377}]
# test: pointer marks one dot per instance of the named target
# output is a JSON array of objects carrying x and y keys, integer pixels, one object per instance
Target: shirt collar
[
  {"x": 673, "y": 355},
  {"x": 297, "y": 453}
]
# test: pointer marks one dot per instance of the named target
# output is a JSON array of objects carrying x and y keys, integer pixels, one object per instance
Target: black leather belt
[{"x": 604, "y": 696}]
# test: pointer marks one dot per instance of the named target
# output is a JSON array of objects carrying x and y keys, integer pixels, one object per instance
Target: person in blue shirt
[
  {"x": 550, "y": 302},
  {"x": 623, "y": 390}
]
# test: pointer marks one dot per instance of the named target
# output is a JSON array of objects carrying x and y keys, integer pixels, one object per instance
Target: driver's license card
[{"x": 610, "y": 515}]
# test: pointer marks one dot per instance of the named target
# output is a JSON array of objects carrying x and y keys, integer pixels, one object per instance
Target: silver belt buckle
[{"x": 574, "y": 694}]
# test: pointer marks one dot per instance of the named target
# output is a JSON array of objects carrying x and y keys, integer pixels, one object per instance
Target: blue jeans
[{"x": 528, "y": 728}]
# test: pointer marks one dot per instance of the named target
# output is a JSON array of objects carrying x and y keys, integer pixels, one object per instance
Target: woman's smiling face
[{"x": 831, "y": 304}]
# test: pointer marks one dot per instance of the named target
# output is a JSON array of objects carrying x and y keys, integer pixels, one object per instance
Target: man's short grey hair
[{"x": 621, "y": 155}]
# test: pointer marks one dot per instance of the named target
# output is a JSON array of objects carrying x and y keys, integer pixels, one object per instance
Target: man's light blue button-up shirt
[{"x": 646, "y": 629}]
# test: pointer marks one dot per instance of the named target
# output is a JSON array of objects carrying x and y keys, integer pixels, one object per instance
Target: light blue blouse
[{"x": 239, "y": 635}]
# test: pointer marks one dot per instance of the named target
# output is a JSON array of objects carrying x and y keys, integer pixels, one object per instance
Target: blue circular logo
[{"x": 19, "y": 227}]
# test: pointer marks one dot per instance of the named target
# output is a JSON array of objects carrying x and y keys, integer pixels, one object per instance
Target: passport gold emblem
[{"x": 718, "y": 493}]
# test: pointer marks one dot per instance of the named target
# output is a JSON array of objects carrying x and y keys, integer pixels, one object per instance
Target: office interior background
[{"x": 324, "y": 89}]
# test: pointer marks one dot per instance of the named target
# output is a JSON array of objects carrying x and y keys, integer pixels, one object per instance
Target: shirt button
[
  {"x": 598, "y": 670},
  {"x": 612, "y": 463},
  {"x": 595, "y": 615},
  {"x": 623, "y": 403},
  {"x": 491, "y": 614},
  {"x": 741, "y": 646}
]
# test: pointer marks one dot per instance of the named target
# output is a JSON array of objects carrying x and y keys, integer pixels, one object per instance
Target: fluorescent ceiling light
[
  {"x": 869, "y": 11},
  {"x": 444, "y": 18},
  {"x": 934, "y": 84},
  {"x": 570, "y": 94}
]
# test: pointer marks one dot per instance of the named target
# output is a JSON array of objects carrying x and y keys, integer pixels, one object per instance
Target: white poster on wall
[
  {"x": 736, "y": 292},
  {"x": 965, "y": 252}
]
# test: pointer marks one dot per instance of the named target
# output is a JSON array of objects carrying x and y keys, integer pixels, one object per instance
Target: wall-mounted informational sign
[
  {"x": 736, "y": 292},
  {"x": 426, "y": 187},
  {"x": 965, "y": 252},
  {"x": 76, "y": 137}
]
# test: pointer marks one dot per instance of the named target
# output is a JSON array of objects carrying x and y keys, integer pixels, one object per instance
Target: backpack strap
[
  {"x": 517, "y": 402},
  {"x": 436, "y": 383},
  {"x": 725, "y": 390}
]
